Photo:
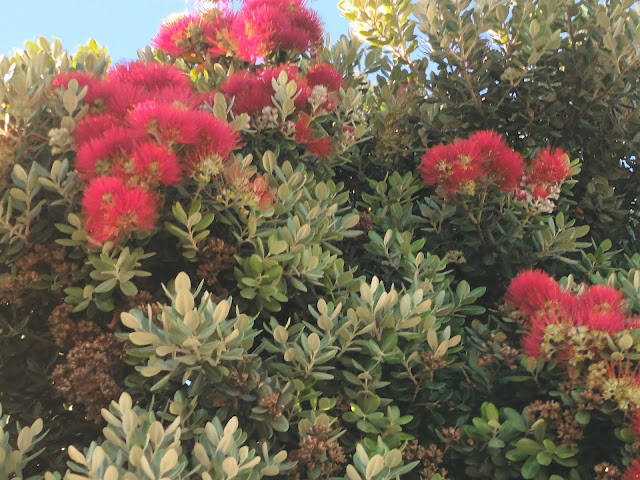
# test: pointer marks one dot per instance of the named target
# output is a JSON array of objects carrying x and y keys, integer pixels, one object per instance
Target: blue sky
[{"x": 122, "y": 26}]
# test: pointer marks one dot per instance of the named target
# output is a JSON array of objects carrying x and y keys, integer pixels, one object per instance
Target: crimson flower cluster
[
  {"x": 484, "y": 160},
  {"x": 633, "y": 471},
  {"x": 598, "y": 308},
  {"x": 145, "y": 131},
  {"x": 252, "y": 94},
  {"x": 253, "y": 90},
  {"x": 259, "y": 29}
]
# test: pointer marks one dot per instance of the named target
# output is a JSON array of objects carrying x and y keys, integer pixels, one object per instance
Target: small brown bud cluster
[
  {"x": 217, "y": 257},
  {"x": 607, "y": 471},
  {"x": 561, "y": 419},
  {"x": 93, "y": 365},
  {"x": 40, "y": 265},
  {"x": 270, "y": 402},
  {"x": 499, "y": 353},
  {"x": 431, "y": 364},
  {"x": 430, "y": 458},
  {"x": 317, "y": 451}
]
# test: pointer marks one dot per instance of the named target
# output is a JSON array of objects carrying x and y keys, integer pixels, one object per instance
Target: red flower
[
  {"x": 500, "y": 163},
  {"x": 106, "y": 154},
  {"x": 150, "y": 76},
  {"x": 533, "y": 292},
  {"x": 453, "y": 167},
  {"x": 154, "y": 164},
  {"x": 601, "y": 308},
  {"x": 93, "y": 126},
  {"x": 325, "y": 75},
  {"x": 534, "y": 337},
  {"x": 433, "y": 163},
  {"x": 539, "y": 296},
  {"x": 550, "y": 166},
  {"x": 193, "y": 34},
  {"x": 540, "y": 192},
  {"x": 113, "y": 210},
  {"x": 263, "y": 27},
  {"x": 633, "y": 471},
  {"x": 250, "y": 93},
  {"x": 98, "y": 194},
  {"x": 117, "y": 98},
  {"x": 214, "y": 136},
  {"x": 215, "y": 26},
  {"x": 178, "y": 96},
  {"x": 173, "y": 34},
  {"x": 168, "y": 124},
  {"x": 321, "y": 147},
  {"x": 634, "y": 426},
  {"x": 303, "y": 132}
]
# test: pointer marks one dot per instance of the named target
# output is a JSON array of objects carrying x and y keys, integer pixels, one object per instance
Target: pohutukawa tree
[{"x": 240, "y": 256}]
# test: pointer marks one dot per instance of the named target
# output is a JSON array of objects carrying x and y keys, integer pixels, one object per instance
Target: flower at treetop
[
  {"x": 500, "y": 163},
  {"x": 112, "y": 210},
  {"x": 549, "y": 166},
  {"x": 452, "y": 167},
  {"x": 215, "y": 24},
  {"x": 150, "y": 76},
  {"x": 533, "y": 292},
  {"x": 633, "y": 471},
  {"x": 249, "y": 92},
  {"x": 196, "y": 34},
  {"x": 102, "y": 155},
  {"x": 173, "y": 36},
  {"x": 263, "y": 27},
  {"x": 167, "y": 124},
  {"x": 118, "y": 98}
]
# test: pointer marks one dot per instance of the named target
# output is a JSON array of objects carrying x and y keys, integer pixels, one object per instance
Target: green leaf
[
  {"x": 543, "y": 458},
  {"x": 205, "y": 222},
  {"x": 530, "y": 468},
  {"x": 128, "y": 288},
  {"x": 277, "y": 247},
  {"x": 583, "y": 417},
  {"x": 528, "y": 446},
  {"x": 106, "y": 286},
  {"x": 491, "y": 412}
]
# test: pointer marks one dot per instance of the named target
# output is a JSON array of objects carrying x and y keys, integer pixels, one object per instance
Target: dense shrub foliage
[{"x": 409, "y": 254}]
